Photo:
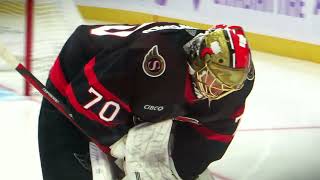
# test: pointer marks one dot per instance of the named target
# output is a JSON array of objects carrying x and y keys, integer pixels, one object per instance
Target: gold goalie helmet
[{"x": 220, "y": 61}]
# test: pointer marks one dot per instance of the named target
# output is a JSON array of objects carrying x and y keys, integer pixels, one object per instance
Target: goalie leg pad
[{"x": 147, "y": 152}]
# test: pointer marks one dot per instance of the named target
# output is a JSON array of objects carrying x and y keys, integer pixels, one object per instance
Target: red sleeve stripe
[
  {"x": 79, "y": 108},
  {"x": 212, "y": 135},
  {"x": 94, "y": 82},
  {"x": 57, "y": 77}
]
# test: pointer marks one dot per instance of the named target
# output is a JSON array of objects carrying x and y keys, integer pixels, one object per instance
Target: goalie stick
[
  {"x": 103, "y": 169},
  {"x": 11, "y": 60}
]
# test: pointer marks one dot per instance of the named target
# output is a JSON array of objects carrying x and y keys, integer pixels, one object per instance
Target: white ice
[
  {"x": 278, "y": 138},
  {"x": 18, "y": 137}
]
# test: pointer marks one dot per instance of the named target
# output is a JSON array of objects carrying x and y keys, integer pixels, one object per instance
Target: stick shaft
[
  {"x": 53, "y": 100},
  {"x": 11, "y": 60}
]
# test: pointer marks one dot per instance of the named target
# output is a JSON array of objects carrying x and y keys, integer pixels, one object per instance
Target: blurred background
[{"x": 279, "y": 134}]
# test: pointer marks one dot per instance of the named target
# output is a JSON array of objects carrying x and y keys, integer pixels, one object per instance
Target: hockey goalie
[{"x": 162, "y": 100}]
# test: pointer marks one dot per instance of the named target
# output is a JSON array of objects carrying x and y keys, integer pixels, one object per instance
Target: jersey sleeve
[{"x": 75, "y": 62}]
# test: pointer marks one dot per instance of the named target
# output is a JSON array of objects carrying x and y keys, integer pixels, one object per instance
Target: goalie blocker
[{"x": 113, "y": 77}]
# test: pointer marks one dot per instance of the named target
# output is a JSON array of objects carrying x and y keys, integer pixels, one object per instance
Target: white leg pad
[{"x": 147, "y": 152}]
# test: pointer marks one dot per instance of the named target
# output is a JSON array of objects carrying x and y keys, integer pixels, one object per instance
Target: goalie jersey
[{"x": 109, "y": 75}]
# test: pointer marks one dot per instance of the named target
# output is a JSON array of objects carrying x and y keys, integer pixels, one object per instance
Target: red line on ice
[{"x": 280, "y": 128}]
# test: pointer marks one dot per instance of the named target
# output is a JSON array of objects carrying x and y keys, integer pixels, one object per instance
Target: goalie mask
[{"x": 219, "y": 61}]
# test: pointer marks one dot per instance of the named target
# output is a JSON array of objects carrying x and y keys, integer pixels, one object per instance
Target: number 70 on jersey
[{"x": 107, "y": 105}]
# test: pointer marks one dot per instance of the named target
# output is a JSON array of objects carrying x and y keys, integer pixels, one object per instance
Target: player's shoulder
[
  {"x": 83, "y": 30},
  {"x": 123, "y": 31},
  {"x": 165, "y": 32},
  {"x": 80, "y": 35},
  {"x": 166, "y": 26}
]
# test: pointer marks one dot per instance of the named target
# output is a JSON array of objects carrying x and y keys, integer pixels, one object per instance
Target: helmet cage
[{"x": 210, "y": 86}]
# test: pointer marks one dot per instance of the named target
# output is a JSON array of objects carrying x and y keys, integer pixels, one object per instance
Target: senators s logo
[{"x": 153, "y": 63}]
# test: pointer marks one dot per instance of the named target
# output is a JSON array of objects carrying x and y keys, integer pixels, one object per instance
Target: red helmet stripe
[
  {"x": 206, "y": 51},
  {"x": 241, "y": 51},
  {"x": 219, "y": 26}
]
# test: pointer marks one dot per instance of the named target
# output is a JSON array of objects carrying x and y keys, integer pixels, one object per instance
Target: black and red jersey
[{"x": 108, "y": 74}]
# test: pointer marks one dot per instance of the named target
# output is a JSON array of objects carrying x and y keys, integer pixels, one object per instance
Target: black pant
[{"x": 59, "y": 143}]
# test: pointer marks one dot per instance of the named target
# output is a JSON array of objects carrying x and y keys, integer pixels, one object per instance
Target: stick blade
[{"x": 8, "y": 57}]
